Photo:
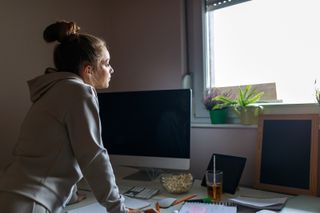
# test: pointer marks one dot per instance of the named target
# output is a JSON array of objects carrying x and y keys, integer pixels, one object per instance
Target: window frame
[
  {"x": 196, "y": 60},
  {"x": 197, "y": 65}
]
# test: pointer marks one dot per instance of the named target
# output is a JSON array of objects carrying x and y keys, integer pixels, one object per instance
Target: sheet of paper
[
  {"x": 97, "y": 208},
  {"x": 261, "y": 203},
  {"x": 135, "y": 203}
]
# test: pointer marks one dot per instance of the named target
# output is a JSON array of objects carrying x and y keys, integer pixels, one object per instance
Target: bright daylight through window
[{"x": 266, "y": 41}]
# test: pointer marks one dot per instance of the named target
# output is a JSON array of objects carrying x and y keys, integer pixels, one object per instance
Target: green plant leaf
[
  {"x": 225, "y": 100},
  {"x": 248, "y": 96}
]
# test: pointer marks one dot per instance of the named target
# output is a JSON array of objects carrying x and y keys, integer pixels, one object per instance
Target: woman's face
[{"x": 101, "y": 76}]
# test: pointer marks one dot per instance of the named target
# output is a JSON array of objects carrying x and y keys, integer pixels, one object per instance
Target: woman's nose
[{"x": 111, "y": 70}]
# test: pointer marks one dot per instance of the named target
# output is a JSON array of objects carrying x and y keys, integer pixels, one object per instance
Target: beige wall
[{"x": 147, "y": 44}]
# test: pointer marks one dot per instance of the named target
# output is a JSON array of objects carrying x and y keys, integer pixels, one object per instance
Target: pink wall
[
  {"x": 229, "y": 141},
  {"x": 147, "y": 44},
  {"x": 24, "y": 54},
  {"x": 145, "y": 38}
]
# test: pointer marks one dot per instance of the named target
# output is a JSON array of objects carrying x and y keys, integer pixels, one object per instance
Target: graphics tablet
[{"x": 232, "y": 167}]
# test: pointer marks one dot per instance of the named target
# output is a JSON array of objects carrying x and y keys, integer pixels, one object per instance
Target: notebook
[{"x": 207, "y": 208}]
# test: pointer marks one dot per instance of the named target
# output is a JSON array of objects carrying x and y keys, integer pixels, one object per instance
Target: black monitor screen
[{"x": 146, "y": 123}]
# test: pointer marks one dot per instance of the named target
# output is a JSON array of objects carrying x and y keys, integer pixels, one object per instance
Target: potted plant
[
  {"x": 217, "y": 109},
  {"x": 243, "y": 104}
]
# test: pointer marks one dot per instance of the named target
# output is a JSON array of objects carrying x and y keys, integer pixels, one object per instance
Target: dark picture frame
[{"x": 287, "y": 153}]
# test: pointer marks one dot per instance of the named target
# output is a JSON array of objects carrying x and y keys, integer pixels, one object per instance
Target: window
[
  {"x": 256, "y": 41},
  {"x": 266, "y": 41}
]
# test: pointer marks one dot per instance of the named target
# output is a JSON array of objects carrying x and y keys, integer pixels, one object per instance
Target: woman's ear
[
  {"x": 86, "y": 72},
  {"x": 87, "y": 68}
]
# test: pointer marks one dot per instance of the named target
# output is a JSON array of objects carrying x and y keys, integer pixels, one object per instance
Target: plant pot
[
  {"x": 218, "y": 116},
  {"x": 233, "y": 116},
  {"x": 249, "y": 115}
]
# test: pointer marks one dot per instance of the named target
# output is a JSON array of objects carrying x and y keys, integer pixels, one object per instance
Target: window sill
[
  {"x": 269, "y": 108},
  {"x": 223, "y": 126}
]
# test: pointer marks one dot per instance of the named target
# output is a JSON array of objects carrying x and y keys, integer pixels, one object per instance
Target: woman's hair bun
[{"x": 60, "y": 31}]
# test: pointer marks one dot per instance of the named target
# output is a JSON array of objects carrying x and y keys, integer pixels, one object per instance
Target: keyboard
[{"x": 141, "y": 192}]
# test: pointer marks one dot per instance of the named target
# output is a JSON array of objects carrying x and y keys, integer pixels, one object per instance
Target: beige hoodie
[{"x": 59, "y": 142}]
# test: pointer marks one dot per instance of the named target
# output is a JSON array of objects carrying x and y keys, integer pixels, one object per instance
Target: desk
[{"x": 295, "y": 204}]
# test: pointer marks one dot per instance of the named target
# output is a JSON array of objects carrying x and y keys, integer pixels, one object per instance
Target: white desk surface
[{"x": 295, "y": 204}]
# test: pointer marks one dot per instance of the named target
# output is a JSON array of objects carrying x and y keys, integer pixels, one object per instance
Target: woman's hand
[{"x": 76, "y": 196}]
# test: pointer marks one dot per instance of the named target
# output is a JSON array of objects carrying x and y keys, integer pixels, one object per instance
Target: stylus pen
[{"x": 184, "y": 199}]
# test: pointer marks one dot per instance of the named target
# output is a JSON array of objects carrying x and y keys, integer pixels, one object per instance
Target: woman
[{"x": 60, "y": 139}]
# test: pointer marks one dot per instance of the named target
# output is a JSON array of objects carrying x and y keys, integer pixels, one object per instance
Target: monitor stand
[{"x": 144, "y": 174}]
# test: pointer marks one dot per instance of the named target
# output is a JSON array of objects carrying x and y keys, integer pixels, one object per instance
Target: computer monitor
[{"x": 147, "y": 129}]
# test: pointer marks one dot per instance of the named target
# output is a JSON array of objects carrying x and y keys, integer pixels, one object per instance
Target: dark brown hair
[{"x": 74, "y": 48}]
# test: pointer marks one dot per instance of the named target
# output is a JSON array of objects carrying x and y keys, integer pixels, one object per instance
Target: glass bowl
[{"x": 177, "y": 183}]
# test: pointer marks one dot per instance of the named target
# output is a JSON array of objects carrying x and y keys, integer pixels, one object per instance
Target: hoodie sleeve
[{"x": 84, "y": 129}]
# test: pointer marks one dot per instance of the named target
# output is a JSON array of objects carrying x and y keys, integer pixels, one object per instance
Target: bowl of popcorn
[{"x": 177, "y": 183}]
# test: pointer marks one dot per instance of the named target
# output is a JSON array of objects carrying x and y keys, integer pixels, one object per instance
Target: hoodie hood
[{"x": 41, "y": 84}]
